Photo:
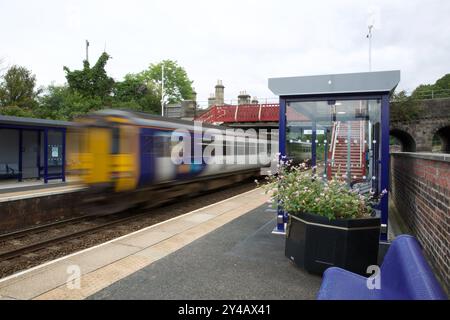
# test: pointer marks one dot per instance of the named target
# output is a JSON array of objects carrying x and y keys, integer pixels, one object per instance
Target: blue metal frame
[
  {"x": 383, "y": 177},
  {"x": 281, "y": 215},
  {"x": 45, "y": 155},
  {"x": 39, "y": 154},
  {"x": 20, "y": 154},
  {"x": 63, "y": 156}
]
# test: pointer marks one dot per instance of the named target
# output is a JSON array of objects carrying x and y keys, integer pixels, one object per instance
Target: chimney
[
  {"x": 211, "y": 100},
  {"x": 255, "y": 100},
  {"x": 219, "y": 93},
  {"x": 243, "y": 98}
]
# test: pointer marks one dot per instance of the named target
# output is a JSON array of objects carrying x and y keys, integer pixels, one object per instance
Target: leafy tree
[
  {"x": 131, "y": 88},
  {"x": 135, "y": 93},
  {"x": 91, "y": 82},
  {"x": 404, "y": 107},
  {"x": 440, "y": 89},
  {"x": 62, "y": 103},
  {"x": 442, "y": 86},
  {"x": 17, "y": 112},
  {"x": 177, "y": 85},
  {"x": 18, "y": 88},
  {"x": 424, "y": 91}
]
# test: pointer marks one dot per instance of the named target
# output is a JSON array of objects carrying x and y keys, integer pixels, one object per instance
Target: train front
[{"x": 103, "y": 153}]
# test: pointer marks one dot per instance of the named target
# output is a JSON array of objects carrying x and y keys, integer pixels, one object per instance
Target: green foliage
[
  {"x": 17, "y": 111},
  {"x": 135, "y": 94},
  {"x": 440, "y": 89},
  {"x": 297, "y": 190},
  {"x": 91, "y": 82},
  {"x": 404, "y": 107},
  {"x": 90, "y": 89},
  {"x": 18, "y": 88},
  {"x": 61, "y": 103},
  {"x": 177, "y": 86}
]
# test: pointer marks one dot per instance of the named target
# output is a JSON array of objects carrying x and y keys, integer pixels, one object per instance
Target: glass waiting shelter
[
  {"x": 32, "y": 149},
  {"x": 339, "y": 124}
]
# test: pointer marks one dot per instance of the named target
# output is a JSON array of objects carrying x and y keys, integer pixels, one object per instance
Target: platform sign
[{"x": 55, "y": 152}]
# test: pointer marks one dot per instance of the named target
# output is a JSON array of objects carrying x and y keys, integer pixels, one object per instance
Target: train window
[
  {"x": 115, "y": 141},
  {"x": 147, "y": 144},
  {"x": 162, "y": 146}
]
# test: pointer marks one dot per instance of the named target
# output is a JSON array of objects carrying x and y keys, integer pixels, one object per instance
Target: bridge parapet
[
  {"x": 420, "y": 109},
  {"x": 420, "y": 190}
]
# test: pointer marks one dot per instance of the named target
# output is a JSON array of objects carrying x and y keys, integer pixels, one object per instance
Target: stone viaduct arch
[{"x": 417, "y": 134}]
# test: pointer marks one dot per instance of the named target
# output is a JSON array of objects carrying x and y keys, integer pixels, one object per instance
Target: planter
[{"x": 315, "y": 243}]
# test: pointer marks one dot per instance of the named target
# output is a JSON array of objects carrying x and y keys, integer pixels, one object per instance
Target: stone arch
[
  {"x": 406, "y": 140},
  {"x": 443, "y": 135}
]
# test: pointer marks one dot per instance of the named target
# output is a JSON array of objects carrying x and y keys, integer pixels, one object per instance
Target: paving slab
[
  {"x": 105, "y": 264},
  {"x": 240, "y": 260}
]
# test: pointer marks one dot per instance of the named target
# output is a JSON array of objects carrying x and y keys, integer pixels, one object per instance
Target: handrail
[
  {"x": 361, "y": 142},
  {"x": 334, "y": 139}
]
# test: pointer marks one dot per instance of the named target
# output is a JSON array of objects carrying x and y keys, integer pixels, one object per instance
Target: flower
[{"x": 298, "y": 189}]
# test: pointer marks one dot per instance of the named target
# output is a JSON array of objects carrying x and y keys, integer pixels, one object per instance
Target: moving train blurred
[{"x": 129, "y": 155}]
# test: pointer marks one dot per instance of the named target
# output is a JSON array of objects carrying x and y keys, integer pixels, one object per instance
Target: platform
[
  {"x": 36, "y": 188},
  {"x": 222, "y": 251}
]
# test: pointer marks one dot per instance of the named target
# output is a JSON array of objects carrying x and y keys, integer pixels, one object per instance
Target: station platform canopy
[
  {"x": 339, "y": 124},
  {"x": 346, "y": 83},
  {"x": 32, "y": 149}
]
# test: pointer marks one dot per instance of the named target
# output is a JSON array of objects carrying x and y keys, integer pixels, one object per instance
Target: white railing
[
  {"x": 361, "y": 142},
  {"x": 334, "y": 138}
]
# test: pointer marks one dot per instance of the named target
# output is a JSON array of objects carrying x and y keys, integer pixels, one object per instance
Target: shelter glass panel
[{"x": 340, "y": 138}]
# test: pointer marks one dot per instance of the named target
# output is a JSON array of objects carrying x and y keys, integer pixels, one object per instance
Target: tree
[
  {"x": 404, "y": 107},
  {"x": 442, "y": 86},
  {"x": 18, "y": 88},
  {"x": 440, "y": 89},
  {"x": 131, "y": 88},
  {"x": 424, "y": 91},
  {"x": 137, "y": 93},
  {"x": 91, "y": 82},
  {"x": 62, "y": 103},
  {"x": 177, "y": 86}
]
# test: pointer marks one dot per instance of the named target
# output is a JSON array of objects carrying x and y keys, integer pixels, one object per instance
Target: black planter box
[{"x": 315, "y": 243}]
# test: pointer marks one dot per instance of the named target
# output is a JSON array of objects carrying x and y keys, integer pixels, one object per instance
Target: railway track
[
  {"x": 30, "y": 247},
  {"x": 97, "y": 223}
]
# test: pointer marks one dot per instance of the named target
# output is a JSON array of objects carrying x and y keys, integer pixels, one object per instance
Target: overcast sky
[{"x": 242, "y": 42}]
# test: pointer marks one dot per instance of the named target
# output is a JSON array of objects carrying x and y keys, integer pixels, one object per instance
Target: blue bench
[{"x": 405, "y": 275}]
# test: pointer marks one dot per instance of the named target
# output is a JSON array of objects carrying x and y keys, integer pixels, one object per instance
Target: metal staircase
[{"x": 347, "y": 151}]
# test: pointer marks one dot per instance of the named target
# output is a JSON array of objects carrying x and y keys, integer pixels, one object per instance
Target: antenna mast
[
  {"x": 87, "y": 51},
  {"x": 369, "y": 36}
]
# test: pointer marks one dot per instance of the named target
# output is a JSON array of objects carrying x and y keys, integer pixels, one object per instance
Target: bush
[{"x": 297, "y": 190}]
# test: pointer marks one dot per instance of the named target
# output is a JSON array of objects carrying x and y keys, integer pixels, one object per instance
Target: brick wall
[
  {"x": 420, "y": 190},
  {"x": 24, "y": 213}
]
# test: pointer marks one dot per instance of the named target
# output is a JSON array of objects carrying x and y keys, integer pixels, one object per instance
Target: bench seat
[{"x": 405, "y": 275}]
